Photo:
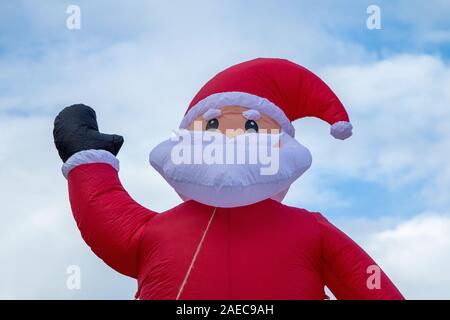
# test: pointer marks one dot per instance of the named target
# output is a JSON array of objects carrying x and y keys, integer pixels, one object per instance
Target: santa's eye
[
  {"x": 251, "y": 126},
  {"x": 212, "y": 124}
]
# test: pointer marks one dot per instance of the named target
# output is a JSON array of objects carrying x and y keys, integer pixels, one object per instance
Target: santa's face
[{"x": 232, "y": 156}]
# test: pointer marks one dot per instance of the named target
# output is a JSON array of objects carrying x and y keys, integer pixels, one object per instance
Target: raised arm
[
  {"x": 349, "y": 272},
  {"x": 110, "y": 221}
]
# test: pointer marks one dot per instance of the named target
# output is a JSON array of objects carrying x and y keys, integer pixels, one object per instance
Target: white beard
[{"x": 213, "y": 174}]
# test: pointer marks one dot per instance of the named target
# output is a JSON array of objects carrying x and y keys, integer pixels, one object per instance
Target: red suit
[{"x": 266, "y": 250}]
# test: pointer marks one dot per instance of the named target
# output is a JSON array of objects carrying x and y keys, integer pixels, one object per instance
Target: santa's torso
[{"x": 262, "y": 251}]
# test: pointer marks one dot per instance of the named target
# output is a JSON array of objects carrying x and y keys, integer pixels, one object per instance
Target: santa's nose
[{"x": 231, "y": 133}]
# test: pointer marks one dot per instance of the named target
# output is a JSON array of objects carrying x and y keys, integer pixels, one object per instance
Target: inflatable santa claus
[{"x": 232, "y": 161}]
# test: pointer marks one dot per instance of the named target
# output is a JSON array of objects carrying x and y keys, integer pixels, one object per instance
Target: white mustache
[{"x": 203, "y": 147}]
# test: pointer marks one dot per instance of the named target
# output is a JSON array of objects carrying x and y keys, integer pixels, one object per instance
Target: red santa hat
[{"x": 279, "y": 88}]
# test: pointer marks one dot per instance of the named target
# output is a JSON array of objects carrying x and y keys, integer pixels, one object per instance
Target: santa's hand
[{"x": 75, "y": 129}]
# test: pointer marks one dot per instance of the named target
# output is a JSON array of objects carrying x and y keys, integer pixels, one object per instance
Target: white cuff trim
[{"x": 89, "y": 156}]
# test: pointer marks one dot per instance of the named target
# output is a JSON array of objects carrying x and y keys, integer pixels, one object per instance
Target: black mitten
[{"x": 75, "y": 129}]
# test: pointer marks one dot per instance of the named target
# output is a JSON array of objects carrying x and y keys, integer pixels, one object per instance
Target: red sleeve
[
  {"x": 345, "y": 268},
  {"x": 110, "y": 221}
]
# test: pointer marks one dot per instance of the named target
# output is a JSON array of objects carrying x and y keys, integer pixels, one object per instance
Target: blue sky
[{"x": 138, "y": 63}]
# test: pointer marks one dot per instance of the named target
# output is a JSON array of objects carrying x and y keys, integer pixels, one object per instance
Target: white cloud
[
  {"x": 399, "y": 108},
  {"x": 415, "y": 254}
]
